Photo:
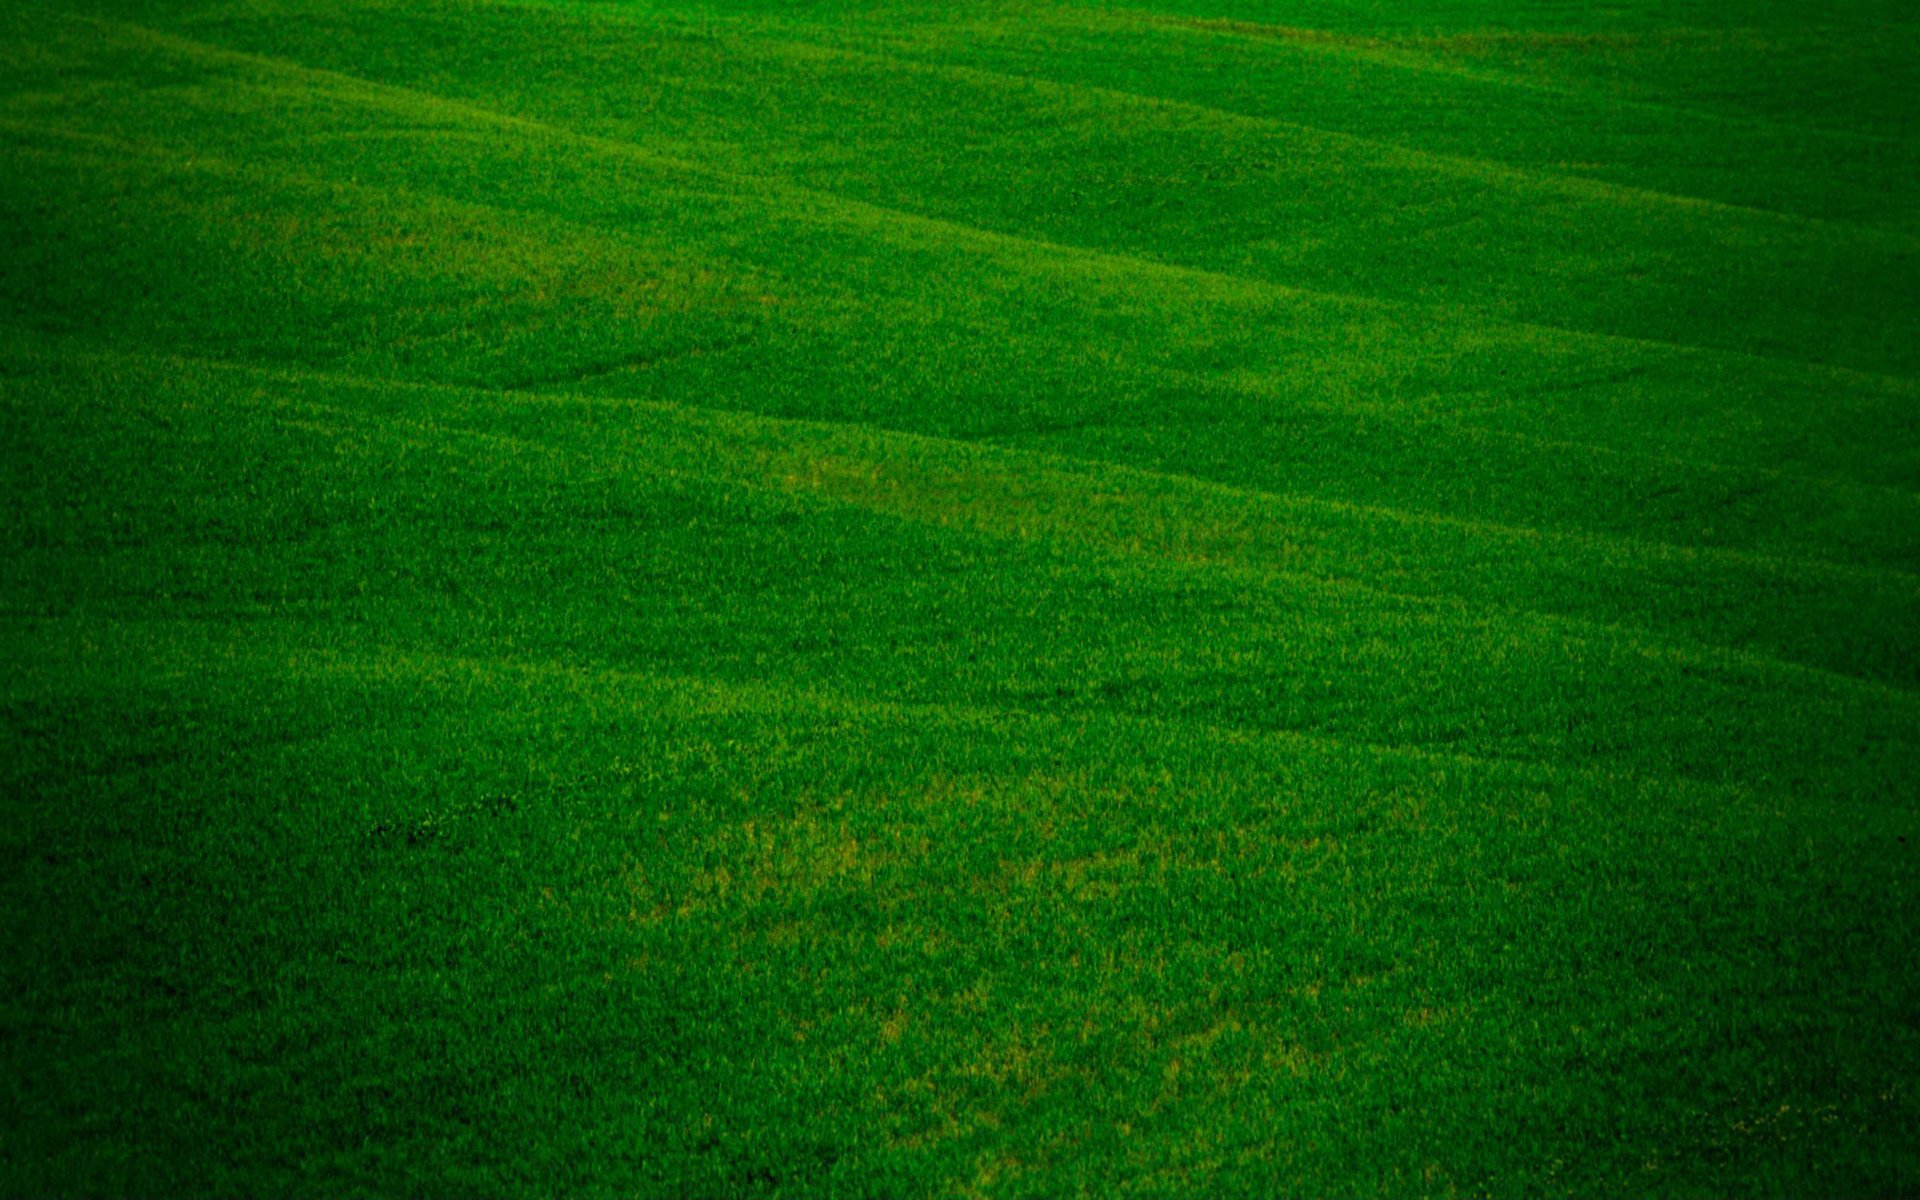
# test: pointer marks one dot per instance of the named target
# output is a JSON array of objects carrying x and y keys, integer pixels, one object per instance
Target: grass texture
[{"x": 997, "y": 599}]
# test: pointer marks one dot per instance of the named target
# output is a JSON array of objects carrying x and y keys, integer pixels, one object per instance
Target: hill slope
[{"x": 741, "y": 599}]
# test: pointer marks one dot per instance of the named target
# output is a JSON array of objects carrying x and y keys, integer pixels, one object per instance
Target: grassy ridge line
[
  {"x": 1655, "y": 591},
  {"x": 1666, "y": 283},
  {"x": 1661, "y": 596},
  {"x": 1676, "y": 598},
  {"x": 174, "y": 650},
  {"x": 875, "y": 50},
  {"x": 1449, "y": 55},
  {"x": 1890, "y": 398},
  {"x": 1432, "y": 54},
  {"x": 1545, "y": 126},
  {"x": 1815, "y": 504},
  {"x": 1852, "y": 75},
  {"x": 1556, "y": 24},
  {"x": 1852, "y": 454},
  {"x": 1393, "y": 934},
  {"x": 1869, "y": 623},
  {"x": 1038, "y": 624}
]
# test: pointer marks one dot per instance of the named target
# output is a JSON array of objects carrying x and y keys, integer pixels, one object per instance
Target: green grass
[{"x": 1003, "y": 599}]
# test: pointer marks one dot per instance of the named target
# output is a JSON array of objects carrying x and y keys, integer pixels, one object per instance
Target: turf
[{"x": 893, "y": 599}]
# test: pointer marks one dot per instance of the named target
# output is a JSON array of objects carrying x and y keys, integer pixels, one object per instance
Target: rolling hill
[{"x": 1213, "y": 597}]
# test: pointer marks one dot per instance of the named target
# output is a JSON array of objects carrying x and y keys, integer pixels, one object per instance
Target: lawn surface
[{"x": 1009, "y": 599}]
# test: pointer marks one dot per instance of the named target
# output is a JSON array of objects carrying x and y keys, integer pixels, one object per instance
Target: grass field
[{"x": 1210, "y": 597}]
